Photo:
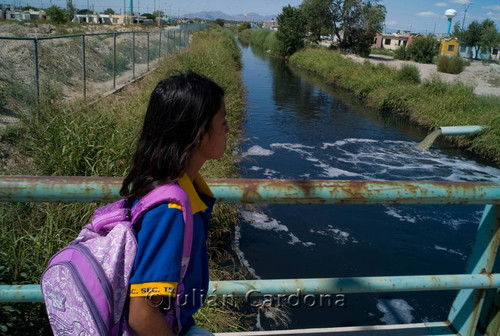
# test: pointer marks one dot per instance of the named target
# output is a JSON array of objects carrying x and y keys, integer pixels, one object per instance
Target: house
[
  {"x": 391, "y": 41},
  {"x": 112, "y": 19},
  {"x": 448, "y": 47},
  {"x": 10, "y": 13},
  {"x": 467, "y": 51},
  {"x": 270, "y": 24},
  {"x": 92, "y": 18}
]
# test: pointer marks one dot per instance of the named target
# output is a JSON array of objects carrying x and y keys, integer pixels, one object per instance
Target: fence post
[
  {"x": 148, "y": 51},
  {"x": 133, "y": 55},
  {"x": 168, "y": 44},
  {"x": 159, "y": 49},
  {"x": 37, "y": 79},
  {"x": 114, "y": 60},
  {"x": 83, "y": 67}
]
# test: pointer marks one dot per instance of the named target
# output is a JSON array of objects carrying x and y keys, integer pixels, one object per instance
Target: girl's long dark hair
[{"x": 180, "y": 111}]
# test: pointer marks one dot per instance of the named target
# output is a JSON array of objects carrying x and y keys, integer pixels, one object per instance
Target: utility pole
[{"x": 466, "y": 7}]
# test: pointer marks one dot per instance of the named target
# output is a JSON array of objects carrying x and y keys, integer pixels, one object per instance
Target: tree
[
  {"x": 243, "y": 26},
  {"x": 70, "y": 10},
  {"x": 424, "y": 49},
  {"x": 149, "y": 16},
  {"x": 57, "y": 14},
  {"x": 109, "y": 11},
  {"x": 457, "y": 31},
  {"x": 291, "y": 31},
  {"x": 28, "y": 8},
  {"x": 220, "y": 22},
  {"x": 318, "y": 16},
  {"x": 490, "y": 37},
  {"x": 355, "y": 23},
  {"x": 158, "y": 13},
  {"x": 472, "y": 37},
  {"x": 84, "y": 11}
]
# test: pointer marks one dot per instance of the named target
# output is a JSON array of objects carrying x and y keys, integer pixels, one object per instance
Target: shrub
[
  {"x": 265, "y": 39},
  {"x": 121, "y": 64},
  {"x": 451, "y": 65},
  {"x": 402, "y": 53},
  {"x": 424, "y": 49},
  {"x": 408, "y": 73},
  {"x": 243, "y": 26}
]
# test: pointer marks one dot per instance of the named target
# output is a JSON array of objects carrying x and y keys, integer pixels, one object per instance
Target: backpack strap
[
  {"x": 170, "y": 193},
  {"x": 106, "y": 217}
]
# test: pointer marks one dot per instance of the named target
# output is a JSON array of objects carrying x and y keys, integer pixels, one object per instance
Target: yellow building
[
  {"x": 117, "y": 19},
  {"x": 448, "y": 47}
]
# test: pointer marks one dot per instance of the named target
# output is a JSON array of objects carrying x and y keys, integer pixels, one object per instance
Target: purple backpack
[{"x": 86, "y": 284}]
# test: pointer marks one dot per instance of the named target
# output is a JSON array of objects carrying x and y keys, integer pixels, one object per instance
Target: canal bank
[
  {"x": 428, "y": 104},
  {"x": 299, "y": 128}
]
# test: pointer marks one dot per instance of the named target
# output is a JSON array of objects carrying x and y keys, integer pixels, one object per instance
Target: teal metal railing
[{"x": 475, "y": 310}]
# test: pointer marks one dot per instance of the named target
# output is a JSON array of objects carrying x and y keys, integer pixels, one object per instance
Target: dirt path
[{"x": 485, "y": 78}]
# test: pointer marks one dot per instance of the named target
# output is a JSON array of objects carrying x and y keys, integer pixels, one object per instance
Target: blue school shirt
[{"x": 160, "y": 237}]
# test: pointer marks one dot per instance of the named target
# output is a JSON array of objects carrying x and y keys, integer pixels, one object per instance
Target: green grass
[
  {"x": 263, "y": 38},
  {"x": 429, "y": 104},
  {"x": 81, "y": 140},
  {"x": 451, "y": 65},
  {"x": 408, "y": 73}
]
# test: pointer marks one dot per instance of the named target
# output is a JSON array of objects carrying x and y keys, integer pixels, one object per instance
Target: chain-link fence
[{"x": 81, "y": 65}]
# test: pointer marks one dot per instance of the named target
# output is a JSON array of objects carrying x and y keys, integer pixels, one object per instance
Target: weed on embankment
[{"x": 77, "y": 139}]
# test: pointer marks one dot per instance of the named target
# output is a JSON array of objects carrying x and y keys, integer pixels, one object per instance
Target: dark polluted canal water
[{"x": 296, "y": 128}]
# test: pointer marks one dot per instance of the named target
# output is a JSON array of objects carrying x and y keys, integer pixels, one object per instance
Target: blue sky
[{"x": 415, "y": 15}]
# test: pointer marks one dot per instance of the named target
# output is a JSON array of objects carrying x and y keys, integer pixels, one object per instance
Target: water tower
[{"x": 450, "y": 14}]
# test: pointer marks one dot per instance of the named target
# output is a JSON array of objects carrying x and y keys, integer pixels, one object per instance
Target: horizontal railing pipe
[
  {"x": 265, "y": 191},
  {"x": 256, "y": 288}
]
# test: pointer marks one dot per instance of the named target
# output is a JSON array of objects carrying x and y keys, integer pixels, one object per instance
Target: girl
[{"x": 184, "y": 126}]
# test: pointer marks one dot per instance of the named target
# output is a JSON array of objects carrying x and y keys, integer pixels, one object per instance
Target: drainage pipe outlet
[{"x": 461, "y": 130}]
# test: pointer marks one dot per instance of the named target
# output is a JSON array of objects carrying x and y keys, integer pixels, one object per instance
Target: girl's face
[{"x": 213, "y": 143}]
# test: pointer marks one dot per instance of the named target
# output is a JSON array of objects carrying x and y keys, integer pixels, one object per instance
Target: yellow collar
[{"x": 191, "y": 190}]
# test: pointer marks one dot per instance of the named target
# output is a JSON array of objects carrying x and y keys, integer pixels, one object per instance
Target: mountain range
[{"x": 212, "y": 15}]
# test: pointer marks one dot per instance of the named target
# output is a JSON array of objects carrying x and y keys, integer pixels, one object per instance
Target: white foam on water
[
  {"x": 257, "y": 150},
  {"x": 270, "y": 173},
  {"x": 262, "y": 221},
  {"x": 397, "y": 213},
  {"x": 306, "y": 153},
  {"x": 341, "y": 237},
  {"x": 396, "y": 311},
  {"x": 297, "y": 148},
  {"x": 440, "y": 248},
  {"x": 456, "y": 222},
  {"x": 293, "y": 239},
  {"x": 346, "y": 141},
  {"x": 374, "y": 159},
  {"x": 239, "y": 252},
  {"x": 329, "y": 171},
  {"x": 255, "y": 168}
]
